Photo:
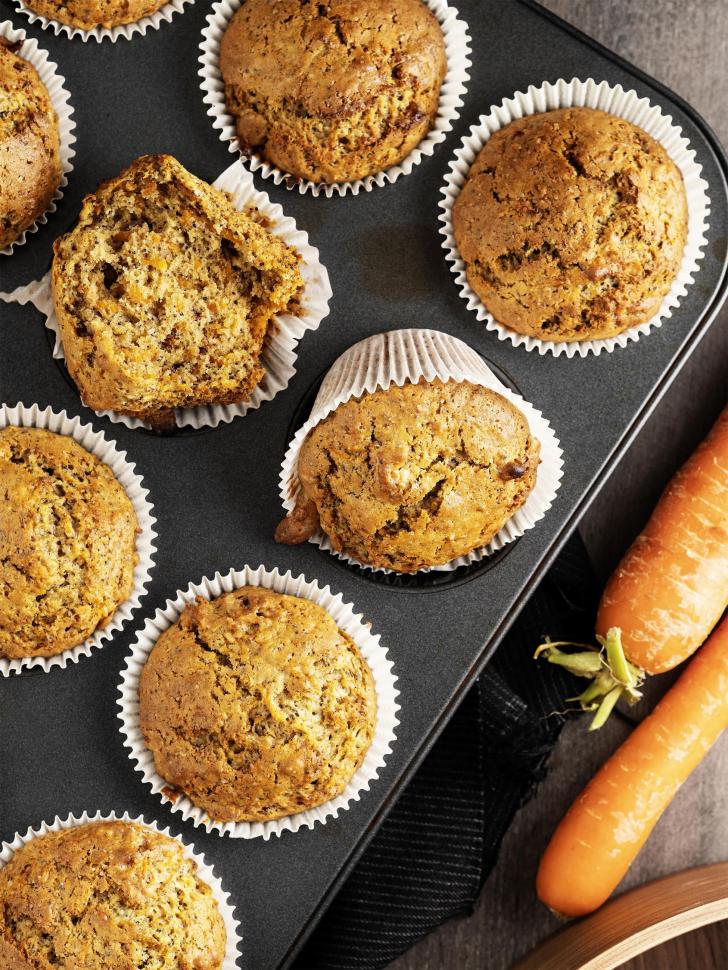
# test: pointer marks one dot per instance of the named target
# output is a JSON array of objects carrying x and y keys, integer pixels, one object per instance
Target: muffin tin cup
[
  {"x": 345, "y": 618},
  {"x": 61, "y": 101},
  {"x": 408, "y": 356},
  {"x": 457, "y": 46},
  {"x": 152, "y": 22},
  {"x": 204, "y": 870},
  {"x": 615, "y": 100},
  {"x": 22, "y": 416},
  {"x": 279, "y": 351}
]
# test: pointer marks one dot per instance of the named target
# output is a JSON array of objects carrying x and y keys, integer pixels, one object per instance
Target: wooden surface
[
  {"x": 635, "y": 922},
  {"x": 684, "y": 43}
]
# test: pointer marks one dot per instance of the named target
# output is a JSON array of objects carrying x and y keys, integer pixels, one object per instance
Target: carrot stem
[
  {"x": 580, "y": 664},
  {"x": 606, "y": 708},
  {"x": 612, "y": 675},
  {"x": 616, "y": 658}
]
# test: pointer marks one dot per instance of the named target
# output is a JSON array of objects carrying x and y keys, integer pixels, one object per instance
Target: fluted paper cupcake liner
[
  {"x": 616, "y": 101},
  {"x": 345, "y": 618},
  {"x": 61, "y": 101},
  {"x": 204, "y": 869},
  {"x": 152, "y": 22},
  {"x": 458, "y": 50},
  {"x": 23, "y": 416},
  {"x": 279, "y": 351},
  {"x": 408, "y": 356}
]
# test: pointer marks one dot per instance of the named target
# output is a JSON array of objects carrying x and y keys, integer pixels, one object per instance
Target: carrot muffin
[
  {"x": 572, "y": 225},
  {"x": 256, "y": 705},
  {"x": 411, "y": 477},
  {"x": 87, "y": 14},
  {"x": 333, "y": 91},
  {"x": 103, "y": 895},
  {"x": 30, "y": 166},
  {"x": 67, "y": 543},
  {"x": 165, "y": 293}
]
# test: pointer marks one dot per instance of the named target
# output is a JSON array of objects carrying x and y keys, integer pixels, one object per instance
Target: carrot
[
  {"x": 669, "y": 590},
  {"x": 671, "y": 587},
  {"x": 610, "y": 821}
]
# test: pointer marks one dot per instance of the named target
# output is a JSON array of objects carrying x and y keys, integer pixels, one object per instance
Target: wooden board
[{"x": 636, "y": 922}]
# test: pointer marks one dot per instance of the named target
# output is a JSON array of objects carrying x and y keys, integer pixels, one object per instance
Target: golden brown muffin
[
  {"x": 30, "y": 166},
  {"x": 413, "y": 476},
  {"x": 333, "y": 91},
  {"x": 67, "y": 543},
  {"x": 256, "y": 705},
  {"x": 572, "y": 225},
  {"x": 87, "y": 14},
  {"x": 165, "y": 293},
  {"x": 107, "y": 896}
]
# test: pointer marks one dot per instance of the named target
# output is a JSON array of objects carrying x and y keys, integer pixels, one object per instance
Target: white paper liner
[
  {"x": 23, "y": 416},
  {"x": 279, "y": 351},
  {"x": 458, "y": 50},
  {"x": 614, "y": 100},
  {"x": 61, "y": 101},
  {"x": 153, "y": 22},
  {"x": 406, "y": 356},
  {"x": 345, "y": 618},
  {"x": 204, "y": 870}
]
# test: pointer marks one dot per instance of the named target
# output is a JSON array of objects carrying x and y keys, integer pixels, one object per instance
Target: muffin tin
[{"x": 215, "y": 491}]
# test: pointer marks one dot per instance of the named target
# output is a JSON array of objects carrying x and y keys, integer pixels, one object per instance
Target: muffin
[
  {"x": 30, "y": 166},
  {"x": 333, "y": 91},
  {"x": 572, "y": 225},
  {"x": 67, "y": 543},
  {"x": 107, "y": 894},
  {"x": 87, "y": 14},
  {"x": 256, "y": 705},
  {"x": 165, "y": 293},
  {"x": 414, "y": 476}
]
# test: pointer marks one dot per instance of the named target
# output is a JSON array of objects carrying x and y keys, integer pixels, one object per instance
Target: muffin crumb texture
[
  {"x": 412, "y": 477},
  {"x": 107, "y": 895},
  {"x": 333, "y": 91},
  {"x": 165, "y": 294},
  {"x": 67, "y": 543},
  {"x": 572, "y": 225},
  {"x": 87, "y": 14},
  {"x": 30, "y": 167},
  {"x": 256, "y": 705}
]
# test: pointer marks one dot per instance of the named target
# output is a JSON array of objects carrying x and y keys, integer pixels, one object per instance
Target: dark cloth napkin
[{"x": 429, "y": 859}]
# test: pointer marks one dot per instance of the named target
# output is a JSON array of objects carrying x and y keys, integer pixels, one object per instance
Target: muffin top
[
  {"x": 107, "y": 895},
  {"x": 87, "y": 14},
  {"x": 572, "y": 225},
  {"x": 413, "y": 476},
  {"x": 333, "y": 91},
  {"x": 67, "y": 543},
  {"x": 30, "y": 167},
  {"x": 165, "y": 293},
  {"x": 256, "y": 705}
]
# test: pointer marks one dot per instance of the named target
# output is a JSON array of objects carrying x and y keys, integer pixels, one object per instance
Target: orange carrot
[
  {"x": 671, "y": 587},
  {"x": 610, "y": 821},
  {"x": 669, "y": 590}
]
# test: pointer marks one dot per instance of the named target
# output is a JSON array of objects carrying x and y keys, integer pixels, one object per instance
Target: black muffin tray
[{"x": 215, "y": 492}]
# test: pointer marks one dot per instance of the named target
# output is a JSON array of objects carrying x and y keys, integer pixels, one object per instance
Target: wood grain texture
[
  {"x": 635, "y": 922},
  {"x": 684, "y": 43}
]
